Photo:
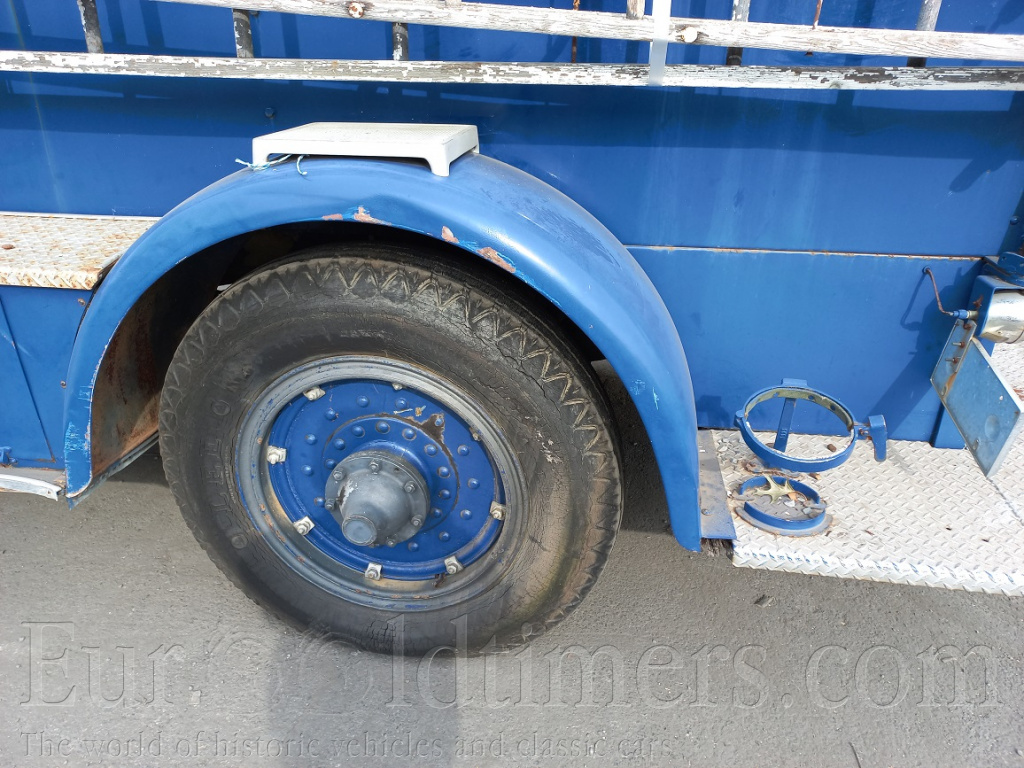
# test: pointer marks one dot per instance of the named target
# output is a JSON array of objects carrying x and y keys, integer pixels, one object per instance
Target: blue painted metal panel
[
  {"x": 863, "y": 328},
  {"x": 21, "y": 433},
  {"x": 932, "y": 173},
  {"x": 544, "y": 238},
  {"x": 44, "y": 322}
]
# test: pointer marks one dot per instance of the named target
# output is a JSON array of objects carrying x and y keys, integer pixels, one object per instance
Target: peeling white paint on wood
[
  {"x": 491, "y": 73},
  {"x": 719, "y": 32},
  {"x": 52, "y": 251}
]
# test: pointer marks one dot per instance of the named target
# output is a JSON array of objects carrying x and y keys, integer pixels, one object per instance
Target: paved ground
[{"x": 121, "y": 644}]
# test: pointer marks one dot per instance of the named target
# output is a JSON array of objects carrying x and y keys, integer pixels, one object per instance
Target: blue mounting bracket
[
  {"x": 793, "y": 390},
  {"x": 775, "y": 488}
]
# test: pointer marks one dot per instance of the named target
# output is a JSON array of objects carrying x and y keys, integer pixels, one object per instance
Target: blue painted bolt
[
  {"x": 383, "y": 426},
  {"x": 358, "y": 431},
  {"x": 413, "y": 546},
  {"x": 473, "y": 483},
  {"x": 430, "y": 450},
  {"x": 331, "y": 414},
  {"x": 435, "y": 512},
  {"x": 311, "y": 439},
  {"x": 443, "y": 472},
  {"x": 339, "y": 444},
  {"x": 1015, "y": 220},
  {"x": 463, "y": 450},
  {"x": 318, "y": 501},
  {"x": 330, "y": 463},
  {"x": 466, "y": 514},
  {"x": 409, "y": 433},
  {"x": 307, "y": 470},
  {"x": 439, "y": 421},
  {"x": 445, "y": 493},
  {"x": 362, "y": 401},
  {"x": 444, "y": 536},
  {"x": 401, "y": 403},
  {"x": 269, "y": 111}
]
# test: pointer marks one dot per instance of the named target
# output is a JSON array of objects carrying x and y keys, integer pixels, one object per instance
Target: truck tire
[{"x": 392, "y": 449}]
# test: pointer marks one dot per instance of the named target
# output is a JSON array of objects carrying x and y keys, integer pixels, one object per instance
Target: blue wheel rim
[
  {"x": 366, "y": 414},
  {"x": 323, "y": 411}
]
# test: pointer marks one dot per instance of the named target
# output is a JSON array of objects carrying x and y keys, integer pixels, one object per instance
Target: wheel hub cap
[{"x": 378, "y": 498}]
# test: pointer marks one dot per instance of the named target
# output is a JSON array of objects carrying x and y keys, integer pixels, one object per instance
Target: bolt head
[
  {"x": 498, "y": 513},
  {"x": 356, "y": 10},
  {"x": 410, "y": 487},
  {"x": 416, "y": 522},
  {"x": 338, "y": 475},
  {"x": 329, "y": 504},
  {"x": 374, "y": 467},
  {"x": 451, "y": 569}
]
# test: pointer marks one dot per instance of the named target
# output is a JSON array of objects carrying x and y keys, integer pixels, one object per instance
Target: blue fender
[{"x": 493, "y": 210}]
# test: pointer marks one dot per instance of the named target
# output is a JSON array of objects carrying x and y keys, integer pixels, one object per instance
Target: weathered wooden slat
[
  {"x": 243, "y": 33},
  {"x": 718, "y": 32},
  {"x": 91, "y": 26},
  {"x": 492, "y": 73}
]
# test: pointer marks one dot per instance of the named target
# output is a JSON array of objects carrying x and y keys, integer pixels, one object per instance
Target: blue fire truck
[{"x": 365, "y": 340}]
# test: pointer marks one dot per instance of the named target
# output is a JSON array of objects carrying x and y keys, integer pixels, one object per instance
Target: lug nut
[
  {"x": 410, "y": 487},
  {"x": 374, "y": 467}
]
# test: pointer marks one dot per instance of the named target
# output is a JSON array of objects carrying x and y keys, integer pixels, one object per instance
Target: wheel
[{"x": 393, "y": 450}]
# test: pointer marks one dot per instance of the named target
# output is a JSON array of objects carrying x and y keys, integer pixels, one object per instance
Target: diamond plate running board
[{"x": 926, "y": 516}]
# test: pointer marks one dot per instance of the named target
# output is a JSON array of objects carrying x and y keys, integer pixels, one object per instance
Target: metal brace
[{"x": 796, "y": 389}]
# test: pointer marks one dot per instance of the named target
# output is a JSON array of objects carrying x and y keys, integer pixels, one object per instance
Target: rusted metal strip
[
  {"x": 716, "y": 32},
  {"x": 91, "y": 26},
  {"x": 243, "y": 33},
  {"x": 491, "y": 73},
  {"x": 634, "y": 9}
]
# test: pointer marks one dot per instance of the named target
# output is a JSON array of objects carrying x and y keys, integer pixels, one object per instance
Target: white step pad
[
  {"x": 924, "y": 516},
  {"x": 439, "y": 145}
]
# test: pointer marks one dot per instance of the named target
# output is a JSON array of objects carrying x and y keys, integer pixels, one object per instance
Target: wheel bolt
[
  {"x": 410, "y": 487},
  {"x": 375, "y": 467}
]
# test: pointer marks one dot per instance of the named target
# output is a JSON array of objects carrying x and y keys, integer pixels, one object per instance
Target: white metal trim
[{"x": 39, "y": 482}]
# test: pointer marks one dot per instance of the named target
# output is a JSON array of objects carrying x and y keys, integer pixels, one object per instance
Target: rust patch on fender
[
  {"x": 449, "y": 236},
  {"x": 363, "y": 216},
  {"x": 496, "y": 258}
]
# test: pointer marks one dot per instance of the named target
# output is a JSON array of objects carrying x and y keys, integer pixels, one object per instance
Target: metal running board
[
  {"x": 925, "y": 516},
  {"x": 40, "y": 482},
  {"x": 54, "y": 251}
]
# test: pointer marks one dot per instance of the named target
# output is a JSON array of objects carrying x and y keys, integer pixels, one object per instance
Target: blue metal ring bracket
[
  {"x": 777, "y": 524},
  {"x": 791, "y": 391}
]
